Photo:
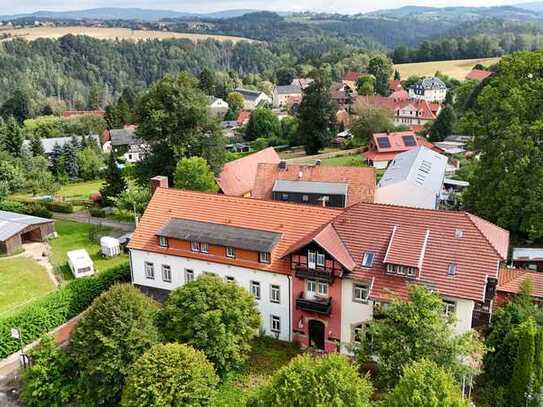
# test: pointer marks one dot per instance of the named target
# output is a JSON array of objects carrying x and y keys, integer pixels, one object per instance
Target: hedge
[
  {"x": 57, "y": 307},
  {"x": 62, "y": 207},
  {"x": 34, "y": 208}
]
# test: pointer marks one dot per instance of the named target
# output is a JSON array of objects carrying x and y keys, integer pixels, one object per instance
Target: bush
[
  {"x": 115, "y": 331},
  {"x": 12, "y": 206},
  {"x": 97, "y": 212},
  {"x": 38, "y": 209},
  {"x": 56, "y": 308},
  {"x": 425, "y": 384},
  {"x": 48, "y": 381},
  {"x": 168, "y": 375},
  {"x": 331, "y": 380},
  {"x": 214, "y": 316},
  {"x": 61, "y": 207}
]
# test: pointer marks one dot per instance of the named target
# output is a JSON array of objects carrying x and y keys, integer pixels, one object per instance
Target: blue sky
[{"x": 342, "y": 6}]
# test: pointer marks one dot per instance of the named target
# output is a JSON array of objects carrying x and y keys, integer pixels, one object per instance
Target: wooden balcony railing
[{"x": 317, "y": 305}]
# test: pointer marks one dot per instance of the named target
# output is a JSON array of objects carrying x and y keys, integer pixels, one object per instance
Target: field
[
  {"x": 72, "y": 236},
  {"x": 22, "y": 280},
  {"x": 455, "y": 69},
  {"x": 104, "y": 33}
]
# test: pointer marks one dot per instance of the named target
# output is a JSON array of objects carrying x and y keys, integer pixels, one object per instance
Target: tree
[
  {"x": 39, "y": 178},
  {"x": 90, "y": 163},
  {"x": 215, "y": 316},
  {"x": 11, "y": 174},
  {"x": 69, "y": 152},
  {"x": 365, "y": 85},
  {"x": 206, "y": 81},
  {"x": 370, "y": 120},
  {"x": 36, "y": 147},
  {"x": 235, "y": 102},
  {"x": 285, "y": 75},
  {"x": 263, "y": 123},
  {"x": 380, "y": 67},
  {"x": 133, "y": 200},
  {"x": 425, "y": 384},
  {"x": 413, "y": 330},
  {"x": 194, "y": 174},
  {"x": 289, "y": 130},
  {"x": 397, "y": 76},
  {"x": 330, "y": 380},
  {"x": 17, "y": 106},
  {"x": 173, "y": 119},
  {"x": 314, "y": 116},
  {"x": 56, "y": 161},
  {"x": 48, "y": 382},
  {"x": 410, "y": 81},
  {"x": 170, "y": 375},
  {"x": 444, "y": 124},
  {"x": 506, "y": 187},
  {"x": 112, "y": 334},
  {"x": 115, "y": 183},
  {"x": 523, "y": 368},
  {"x": 13, "y": 137}
]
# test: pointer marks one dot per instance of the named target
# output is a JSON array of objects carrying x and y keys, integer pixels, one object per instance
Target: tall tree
[
  {"x": 262, "y": 123},
  {"x": 380, "y": 67},
  {"x": 444, "y": 124},
  {"x": 13, "y": 137},
  {"x": 114, "y": 183},
  {"x": 70, "y": 160},
  {"x": 285, "y": 75},
  {"x": 315, "y": 114},
  {"x": 36, "y": 146},
  {"x": 194, "y": 174},
  {"x": 206, "y": 81},
  {"x": 365, "y": 85}
]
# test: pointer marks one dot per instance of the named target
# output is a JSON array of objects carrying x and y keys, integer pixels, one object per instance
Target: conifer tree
[
  {"x": 36, "y": 146},
  {"x": 70, "y": 160},
  {"x": 13, "y": 137},
  {"x": 114, "y": 184}
]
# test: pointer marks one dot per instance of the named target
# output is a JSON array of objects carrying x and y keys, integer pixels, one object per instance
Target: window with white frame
[
  {"x": 452, "y": 269},
  {"x": 166, "y": 273},
  {"x": 449, "y": 307},
  {"x": 204, "y": 247},
  {"x": 163, "y": 241},
  {"x": 311, "y": 259},
  {"x": 322, "y": 288},
  {"x": 311, "y": 286},
  {"x": 357, "y": 332},
  {"x": 230, "y": 252},
  {"x": 284, "y": 197},
  {"x": 360, "y": 292},
  {"x": 367, "y": 260},
  {"x": 275, "y": 293},
  {"x": 149, "y": 270},
  {"x": 195, "y": 246},
  {"x": 189, "y": 275},
  {"x": 275, "y": 325},
  {"x": 264, "y": 257},
  {"x": 320, "y": 259},
  {"x": 255, "y": 289},
  {"x": 305, "y": 198}
]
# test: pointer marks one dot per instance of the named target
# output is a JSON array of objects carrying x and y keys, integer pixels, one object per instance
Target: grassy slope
[
  {"x": 267, "y": 356},
  {"x": 22, "y": 280},
  {"x": 455, "y": 69},
  {"x": 74, "y": 236}
]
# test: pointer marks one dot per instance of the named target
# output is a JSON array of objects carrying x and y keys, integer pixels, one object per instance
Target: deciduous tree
[{"x": 194, "y": 174}]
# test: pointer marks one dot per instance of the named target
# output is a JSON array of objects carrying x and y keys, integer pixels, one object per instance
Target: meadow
[{"x": 455, "y": 69}]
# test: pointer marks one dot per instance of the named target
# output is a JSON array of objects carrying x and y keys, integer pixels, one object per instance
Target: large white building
[{"x": 431, "y": 89}]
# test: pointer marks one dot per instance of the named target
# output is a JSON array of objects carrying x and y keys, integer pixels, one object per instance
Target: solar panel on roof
[
  {"x": 383, "y": 142},
  {"x": 409, "y": 141}
]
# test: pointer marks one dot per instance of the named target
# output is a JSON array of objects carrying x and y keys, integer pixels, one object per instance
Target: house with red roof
[
  {"x": 318, "y": 275},
  {"x": 511, "y": 281},
  {"x": 237, "y": 177},
  {"x": 243, "y": 117},
  {"x": 478, "y": 75},
  {"x": 350, "y": 78},
  {"x": 384, "y": 147},
  {"x": 394, "y": 85}
]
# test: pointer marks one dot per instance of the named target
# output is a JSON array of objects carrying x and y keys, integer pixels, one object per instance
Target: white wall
[
  {"x": 243, "y": 277},
  {"x": 380, "y": 165},
  {"x": 464, "y": 312},
  {"x": 351, "y": 313}
]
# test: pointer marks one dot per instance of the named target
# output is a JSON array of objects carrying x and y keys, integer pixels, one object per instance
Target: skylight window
[
  {"x": 452, "y": 269},
  {"x": 367, "y": 261}
]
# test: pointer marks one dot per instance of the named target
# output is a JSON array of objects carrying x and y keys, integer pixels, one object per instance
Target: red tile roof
[
  {"x": 397, "y": 145},
  {"x": 511, "y": 279},
  {"x": 425, "y": 110},
  {"x": 352, "y": 76},
  {"x": 406, "y": 246},
  {"x": 478, "y": 74},
  {"x": 394, "y": 85},
  {"x": 399, "y": 95},
  {"x": 292, "y": 221},
  {"x": 237, "y": 177},
  {"x": 474, "y": 256},
  {"x": 360, "y": 180},
  {"x": 243, "y": 117}
]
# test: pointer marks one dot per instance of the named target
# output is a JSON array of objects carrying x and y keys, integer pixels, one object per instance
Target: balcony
[
  {"x": 320, "y": 273},
  {"x": 316, "y": 305}
]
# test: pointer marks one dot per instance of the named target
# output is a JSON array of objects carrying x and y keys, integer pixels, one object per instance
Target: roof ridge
[{"x": 470, "y": 216}]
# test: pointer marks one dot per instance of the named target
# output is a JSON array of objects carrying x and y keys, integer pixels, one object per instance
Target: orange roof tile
[
  {"x": 352, "y": 76},
  {"x": 360, "y": 180},
  {"x": 290, "y": 220},
  {"x": 406, "y": 246},
  {"x": 478, "y": 74},
  {"x": 237, "y": 177},
  {"x": 394, "y": 85},
  {"x": 243, "y": 117},
  {"x": 511, "y": 279}
]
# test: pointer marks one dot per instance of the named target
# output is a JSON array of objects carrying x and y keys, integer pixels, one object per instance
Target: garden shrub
[
  {"x": 170, "y": 375},
  {"x": 38, "y": 209},
  {"x": 97, "y": 212},
  {"x": 12, "y": 206},
  {"x": 61, "y": 207},
  {"x": 49, "y": 381},
  {"x": 57, "y": 307},
  {"x": 114, "y": 332}
]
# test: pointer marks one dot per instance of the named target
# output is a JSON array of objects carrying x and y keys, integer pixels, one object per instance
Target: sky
[{"x": 340, "y": 6}]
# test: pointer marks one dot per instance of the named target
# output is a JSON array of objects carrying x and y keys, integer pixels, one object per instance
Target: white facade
[
  {"x": 218, "y": 107},
  {"x": 242, "y": 276},
  {"x": 464, "y": 312},
  {"x": 431, "y": 89},
  {"x": 353, "y": 314}
]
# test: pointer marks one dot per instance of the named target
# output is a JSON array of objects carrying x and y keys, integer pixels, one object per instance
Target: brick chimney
[{"x": 158, "y": 181}]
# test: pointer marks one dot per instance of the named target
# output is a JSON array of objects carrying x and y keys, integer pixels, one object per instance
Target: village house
[
  {"x": 237, "y": 177},
  {"x": 384, "y": 147},
  {"x": 511, "y": 281},
  {"x": 314, "y": 184},
  {"x": 350, "y": 79},
  {"x": 48, "y": 144},
  {"x": 284, "y": 96},
  {"x": 16, "y": 229},
  {"x": 528, "y": 258},
  {"x": 217, "y": 107},
  {"x": 125, "y": 143},
  {"x": 318, "y": 275},
  {"x": 253, "y": 98},
  {"x": 431, "y": 89}
]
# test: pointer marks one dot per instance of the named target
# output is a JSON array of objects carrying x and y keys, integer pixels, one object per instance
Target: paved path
[
  {"x": 323, "y": 156},
  {"x": 83, "y": 217}
]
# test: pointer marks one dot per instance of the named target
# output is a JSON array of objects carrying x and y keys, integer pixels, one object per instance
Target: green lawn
[
  {"x": 72, "y": 236},
  {"x": 74, "y": 191},
  {"x": 22, "y": 280},
  {"x": 267, "y": 356}
]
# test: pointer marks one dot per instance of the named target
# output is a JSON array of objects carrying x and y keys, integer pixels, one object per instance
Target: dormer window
[
  {"x": 163, "y": 241},
  {"x": 264, "y": 257},
  {"x": 199, "y": 247},
  {"x": 367, "y": 260},
  {"x": 401, "y": 270}
]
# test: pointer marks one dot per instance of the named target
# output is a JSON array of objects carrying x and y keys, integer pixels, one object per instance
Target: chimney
[
  {"x": 282, "y": 165},
  {"x": 158, "y": 181},
  {"x": 318, "y": 162}
]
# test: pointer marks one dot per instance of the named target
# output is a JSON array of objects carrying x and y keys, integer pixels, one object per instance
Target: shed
[
  {"x": 17, "y": 228},
  {"x": 80, "y": 263}
]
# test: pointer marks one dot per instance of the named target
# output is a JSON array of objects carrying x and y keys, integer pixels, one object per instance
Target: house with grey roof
[
  {"x": 282, "y": 94},
  {"x": 16, "y": 229},
  {"x": 431, "y": 89},
  {"x": 48, "y": 144},
  {"x": 253, "y": 98},
  {"x": 126, "y": 144},
  {"x": 414, "y": 178}
]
